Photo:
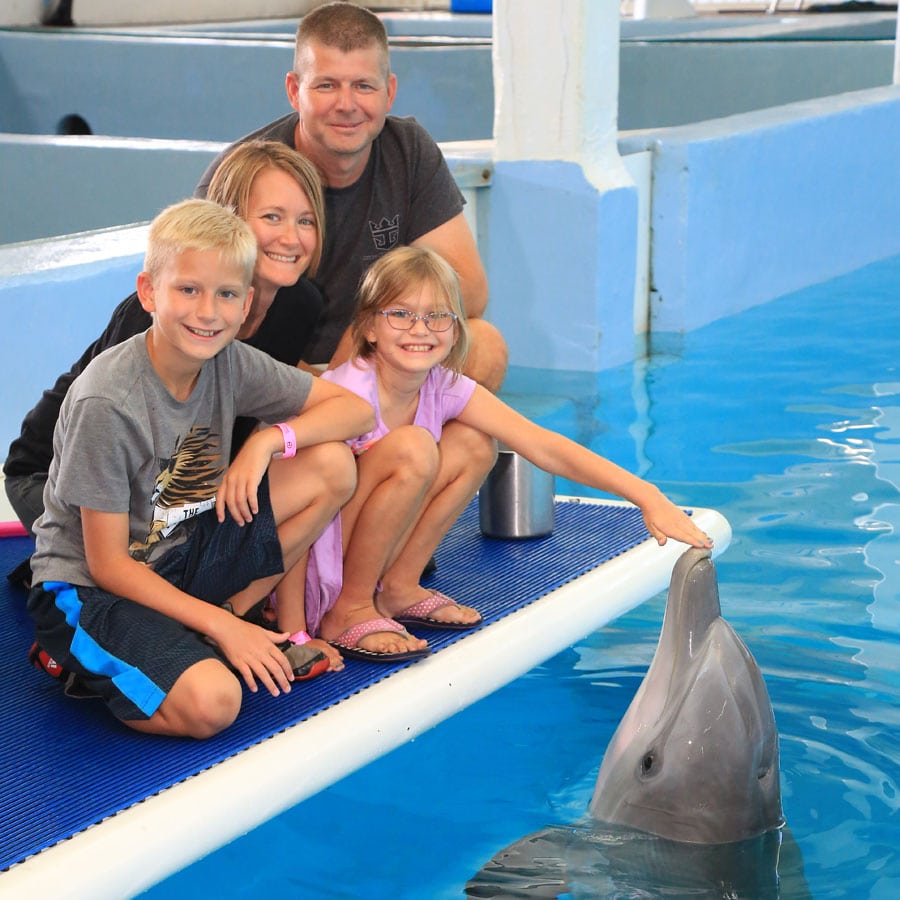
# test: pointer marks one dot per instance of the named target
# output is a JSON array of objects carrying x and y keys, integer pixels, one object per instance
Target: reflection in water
[{"x": 883, "y": 553}]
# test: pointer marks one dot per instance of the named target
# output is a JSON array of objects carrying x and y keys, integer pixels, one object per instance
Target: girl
[{"x": 410, "y": 339}]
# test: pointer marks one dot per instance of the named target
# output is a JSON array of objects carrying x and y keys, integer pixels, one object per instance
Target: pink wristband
[
  {"x": 290, "y": 441},
  {"x": 299, "y": 637}
]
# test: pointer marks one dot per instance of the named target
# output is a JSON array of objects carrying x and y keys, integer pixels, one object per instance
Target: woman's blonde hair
[
  {"x": 200, "y": 225},
  {"x": 233, "y": 180},
  {"x": 399, "y": 273}
]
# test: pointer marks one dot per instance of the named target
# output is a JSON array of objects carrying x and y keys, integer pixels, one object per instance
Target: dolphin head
[{"x": 695, "y": 758}]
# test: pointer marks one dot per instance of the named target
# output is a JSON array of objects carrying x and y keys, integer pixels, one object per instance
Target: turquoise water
[{"x": 787, "y": 419}]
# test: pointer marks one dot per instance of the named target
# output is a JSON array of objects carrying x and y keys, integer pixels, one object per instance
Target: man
[{"x": 386, "y": 181}]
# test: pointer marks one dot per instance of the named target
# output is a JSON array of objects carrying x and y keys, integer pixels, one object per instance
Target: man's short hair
[
  {"x": 200, "y": 225},
  {"x": 344, "y": 26}
]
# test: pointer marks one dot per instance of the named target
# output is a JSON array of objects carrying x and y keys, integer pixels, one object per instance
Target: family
[{"x": 242, "y": 480}]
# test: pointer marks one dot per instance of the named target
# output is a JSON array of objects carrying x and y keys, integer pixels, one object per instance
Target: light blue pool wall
[
  {"x": 53, "y": 186},
  {"x": 211, "y": 83},
  {"x": 55, "y": 298},
  {"x": 216, "y": 81},
  {"x": 560, "y": 257},
  {"x": 198, "y": 88},
  {"x": 722, "y": 72},
  {"x": 754, "y": 206},
  {"x": 744, "y": 209}
]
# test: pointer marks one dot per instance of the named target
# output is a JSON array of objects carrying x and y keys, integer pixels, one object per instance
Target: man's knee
[
  {"x": 475, "y": 448},
  {"x": 488, "y": 355}
]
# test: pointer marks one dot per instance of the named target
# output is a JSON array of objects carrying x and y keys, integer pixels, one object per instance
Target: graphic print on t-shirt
[
  {"x": 185, "y": 487},
  {"x": 385, "y": 233}
]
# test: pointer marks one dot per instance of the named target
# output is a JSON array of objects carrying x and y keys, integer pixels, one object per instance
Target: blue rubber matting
[{"x": 67, "y": 764}]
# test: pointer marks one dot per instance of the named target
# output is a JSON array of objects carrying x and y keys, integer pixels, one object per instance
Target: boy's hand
[
  {"x": 665, "y": 520},
  {"x": 254, "y": 653},
  {"x": 237, "y": 493}
]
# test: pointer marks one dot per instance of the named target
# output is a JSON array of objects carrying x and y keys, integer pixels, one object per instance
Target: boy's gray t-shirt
[{"x": 124, "y": 444}]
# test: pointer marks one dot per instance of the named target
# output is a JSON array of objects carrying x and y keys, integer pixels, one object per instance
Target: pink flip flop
[
  {"x": 347, "y": 642},
  {"x": 419, "y": 614}
]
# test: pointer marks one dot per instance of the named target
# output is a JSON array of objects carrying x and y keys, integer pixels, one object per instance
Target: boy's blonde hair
[
  {"x": 200, "y": 225},
  {"x": 233, "y": 180},
  {"x": 344, "y": 26},
  {"x": 399, "y": 273}
]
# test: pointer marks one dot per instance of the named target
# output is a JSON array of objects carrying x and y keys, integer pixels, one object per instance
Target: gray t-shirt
[
  {"x": 405, "y": 191},
  {"x": 123, "y": 443}
]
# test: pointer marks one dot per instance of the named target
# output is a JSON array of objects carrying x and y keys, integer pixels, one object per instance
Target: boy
[{"x": 145, "y": 546}]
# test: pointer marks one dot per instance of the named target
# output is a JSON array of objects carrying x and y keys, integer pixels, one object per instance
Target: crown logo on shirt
[{"x": 385, "y": 233}]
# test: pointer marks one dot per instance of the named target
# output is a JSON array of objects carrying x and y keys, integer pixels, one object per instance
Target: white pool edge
[{"x": 144, "y": 844}]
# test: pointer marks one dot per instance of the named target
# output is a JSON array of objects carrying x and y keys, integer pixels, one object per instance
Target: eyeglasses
[{"x": 403, "y": 319}]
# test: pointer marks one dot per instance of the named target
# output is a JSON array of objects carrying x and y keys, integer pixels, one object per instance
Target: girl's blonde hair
[
  {"x": 233, "y": 180},
  {"x": 399, "y": 273},
  {"x": 200, "y": 225}
]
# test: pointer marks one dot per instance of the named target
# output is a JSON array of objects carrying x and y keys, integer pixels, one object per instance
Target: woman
[{"x": 278, "y": 192}]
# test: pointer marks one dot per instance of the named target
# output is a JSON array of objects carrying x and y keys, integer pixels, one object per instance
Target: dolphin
[
  {"x": 695, "y": 757},
  {"x": 688, "y": 796}
]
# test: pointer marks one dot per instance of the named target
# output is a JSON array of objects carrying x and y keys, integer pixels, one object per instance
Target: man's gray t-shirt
[
  {"x": 124, "y": 444},
  {"x": 405, "y": 191}
]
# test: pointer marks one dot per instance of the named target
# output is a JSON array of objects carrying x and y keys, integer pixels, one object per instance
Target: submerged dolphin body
[
  {"x": 589, "y": 861},
  {"x": 688, "y": 798}
]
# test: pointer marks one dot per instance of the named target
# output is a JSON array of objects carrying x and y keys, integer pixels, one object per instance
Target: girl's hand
[
  {"x": 665, "y": 520},
  {"x": 254, "y": 653}
]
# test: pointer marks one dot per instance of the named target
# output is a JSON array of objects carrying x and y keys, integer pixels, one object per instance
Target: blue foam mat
[{"x": 67, "y": 764}]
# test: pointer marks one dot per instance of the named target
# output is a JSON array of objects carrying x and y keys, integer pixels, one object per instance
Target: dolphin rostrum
[{"x": 688, "y": 798}]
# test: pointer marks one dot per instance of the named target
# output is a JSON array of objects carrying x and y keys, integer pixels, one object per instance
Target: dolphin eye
[{"x": 648, "y": 764}]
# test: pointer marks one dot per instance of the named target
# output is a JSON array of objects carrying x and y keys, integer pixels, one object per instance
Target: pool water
[{"x": 786, "y": 418}]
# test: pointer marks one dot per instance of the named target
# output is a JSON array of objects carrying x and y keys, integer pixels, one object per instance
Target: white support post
[
  {"x": 897, "y": 52},
  {"x": 563, "y": 208},
  {"x": 556, "y": 84}
]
